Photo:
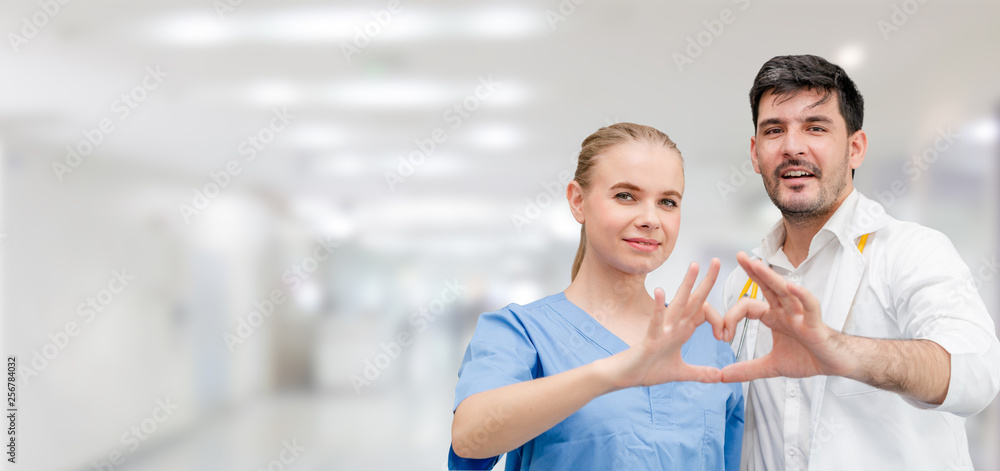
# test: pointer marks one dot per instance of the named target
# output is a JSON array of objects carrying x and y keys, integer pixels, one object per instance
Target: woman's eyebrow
[
  {"x": 632, "y": 187},
  {"x": 625, "y": 186}
]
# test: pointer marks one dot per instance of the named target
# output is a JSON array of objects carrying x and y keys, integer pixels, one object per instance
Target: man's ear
[
  {"x": 574, "y": 194},
  {"x": 753, "y": 154},
  {"x": 857, "y": 146}
]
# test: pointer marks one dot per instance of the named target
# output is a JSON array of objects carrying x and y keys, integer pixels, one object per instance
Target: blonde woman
[{"x": 603, "y": 375}]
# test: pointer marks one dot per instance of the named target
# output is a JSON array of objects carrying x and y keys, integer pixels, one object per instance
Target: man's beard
[{"x": 803, "y": 212}]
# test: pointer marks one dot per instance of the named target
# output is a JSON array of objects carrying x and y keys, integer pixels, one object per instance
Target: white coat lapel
[
  {"x": 848, "y": 275},
  {"x": 753, "y": 327},
  {"x": 749, "y": 346},
  {"x": 850, "y": 269},
  {"x": 868, "y": 217}
]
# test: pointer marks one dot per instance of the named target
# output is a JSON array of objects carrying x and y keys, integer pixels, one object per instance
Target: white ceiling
[{"x": 602, "y": 62}]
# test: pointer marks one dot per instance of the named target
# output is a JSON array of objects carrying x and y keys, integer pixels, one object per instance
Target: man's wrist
[{"x": 849, "y": 357}]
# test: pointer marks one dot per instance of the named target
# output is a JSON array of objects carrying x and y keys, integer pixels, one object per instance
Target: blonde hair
[{"x": 599, "y": 142}]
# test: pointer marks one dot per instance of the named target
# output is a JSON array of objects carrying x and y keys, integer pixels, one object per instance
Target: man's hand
[{"x": 803, "y": 344}]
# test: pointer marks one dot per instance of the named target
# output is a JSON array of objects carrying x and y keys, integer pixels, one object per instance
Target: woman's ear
[{"x": 574, "y": 194}]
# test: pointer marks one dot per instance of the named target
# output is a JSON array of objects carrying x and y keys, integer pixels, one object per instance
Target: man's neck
[
  {"x": 799, "y": 233},
  {"x": 798, "y": 238}
]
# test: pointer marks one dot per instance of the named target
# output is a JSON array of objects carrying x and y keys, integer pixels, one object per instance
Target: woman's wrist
[{"x": 612, "y": 372}]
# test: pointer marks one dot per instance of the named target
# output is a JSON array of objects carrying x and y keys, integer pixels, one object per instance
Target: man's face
[{"x": 804, "y": 154}]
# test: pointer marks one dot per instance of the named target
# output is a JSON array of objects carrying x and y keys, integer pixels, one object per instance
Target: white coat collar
[{"x": 856, "y": 216}]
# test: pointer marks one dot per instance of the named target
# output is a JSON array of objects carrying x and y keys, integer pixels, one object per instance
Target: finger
[
  {"x": 656, "y": 320},
  {"x": 773, "y": 298},
  {"x": 745, "y": 308},
  {"x": 684, "y": 290},
  {"x": 809, "y": 302},
  {"x": 713, "y": 317},
  {"x": 754, "y": 269},
  {"x": 749, "y": 370},
  {"x": 761, "y": 275},
  {"x": 791, "y": 303},
  {"x": 773, "y": 286},
  {"x": 701, "y": 293},
  {"x": 701, "y": 374},
  {"x": 750, "y": 268}
]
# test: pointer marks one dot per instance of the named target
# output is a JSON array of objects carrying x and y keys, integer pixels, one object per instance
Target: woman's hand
[
  {"x": 657, "y": 359},
  {"x": 529, "y": 408}
]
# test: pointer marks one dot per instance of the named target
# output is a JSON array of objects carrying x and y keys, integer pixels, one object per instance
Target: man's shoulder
[{"x": 908, "y": 235}]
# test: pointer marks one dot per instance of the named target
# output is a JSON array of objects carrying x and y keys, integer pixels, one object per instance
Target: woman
[{"x": 602, "y": 376}]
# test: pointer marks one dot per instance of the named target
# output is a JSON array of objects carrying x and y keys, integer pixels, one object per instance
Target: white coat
[{"x": 909, "y": 283}]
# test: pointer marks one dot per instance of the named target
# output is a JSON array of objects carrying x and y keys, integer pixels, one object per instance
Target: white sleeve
[{"x": 936, "y": 298}]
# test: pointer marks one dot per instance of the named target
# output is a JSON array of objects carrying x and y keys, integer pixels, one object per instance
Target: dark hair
[
  {"x": 786, "y": 75},
  {"x": 599, "y": 142}
]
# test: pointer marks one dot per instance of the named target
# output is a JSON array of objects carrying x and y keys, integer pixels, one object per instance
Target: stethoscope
[{"x": 751, "y": 287}]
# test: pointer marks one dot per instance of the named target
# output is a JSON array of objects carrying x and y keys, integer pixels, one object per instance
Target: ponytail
[{"x": 579, "y": 253}]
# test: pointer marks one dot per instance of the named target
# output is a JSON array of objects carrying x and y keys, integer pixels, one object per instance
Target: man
[{"x": 863, "y": 348}]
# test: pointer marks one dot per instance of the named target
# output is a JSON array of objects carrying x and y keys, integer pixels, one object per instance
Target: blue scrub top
[{"x": 683, "y": 426}]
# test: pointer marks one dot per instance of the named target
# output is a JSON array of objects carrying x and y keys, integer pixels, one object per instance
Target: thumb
[
  {"x": 744, "y": 308},
  {"x": 748, "y": 370},
  {"x": 701, "y": 374}
]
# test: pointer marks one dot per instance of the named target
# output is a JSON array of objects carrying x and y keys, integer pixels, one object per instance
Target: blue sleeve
[
  {"x": 733, "y": 446},
  {"x": 734, "y": 428},
  {"x": 457, "y": 463},
  {"x": 500, "y": 353}
]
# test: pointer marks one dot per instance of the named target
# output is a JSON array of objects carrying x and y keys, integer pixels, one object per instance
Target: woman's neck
[{"x": 604, "y": 291}]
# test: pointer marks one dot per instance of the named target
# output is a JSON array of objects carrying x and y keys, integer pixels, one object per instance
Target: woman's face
[{"x": 632, "y": 208}]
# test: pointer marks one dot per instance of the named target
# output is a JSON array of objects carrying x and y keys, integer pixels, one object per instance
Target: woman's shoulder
[
  {"x": 551, "y": 301},
  {"x": 537, "y": 313}
]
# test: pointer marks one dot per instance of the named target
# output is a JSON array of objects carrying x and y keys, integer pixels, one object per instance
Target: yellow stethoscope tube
[{"x": 752, "y": 288}]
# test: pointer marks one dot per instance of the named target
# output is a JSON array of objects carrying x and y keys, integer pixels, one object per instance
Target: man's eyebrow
[
  {"x": 807, "y": 119},
  {"x": 818, "y": 119},
  {"x": 770, "y": 121}
]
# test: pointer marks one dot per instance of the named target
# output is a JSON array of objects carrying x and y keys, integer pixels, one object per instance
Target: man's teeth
[{"x": 797, "y": 173}]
